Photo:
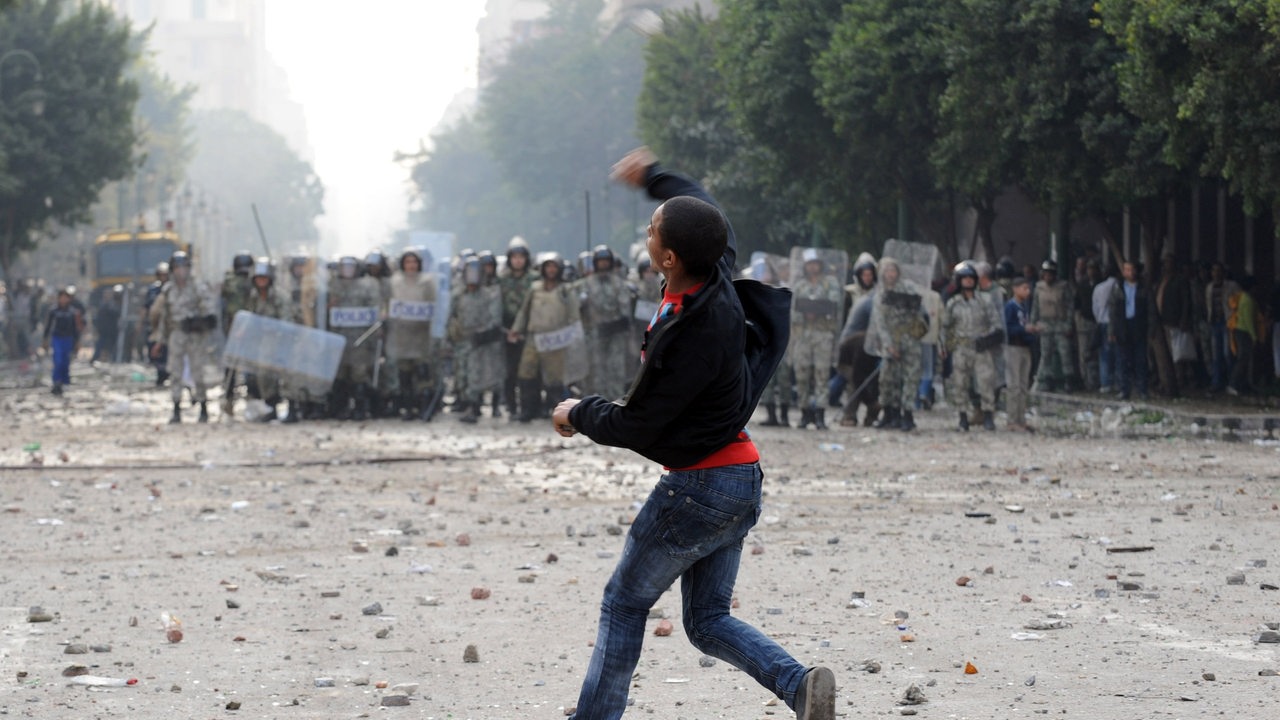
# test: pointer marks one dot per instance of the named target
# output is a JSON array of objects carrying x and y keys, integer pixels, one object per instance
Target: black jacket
[{"x": 704, "y": 369}]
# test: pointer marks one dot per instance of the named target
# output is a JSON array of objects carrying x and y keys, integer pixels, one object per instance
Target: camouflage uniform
[
  {"x": 182, "y": 318},
  {"x": 1051, "y": 311},
  {"x": 545, "y": 310},
  {"x": 274, "y": 303},
  {"x": 966, "y": 322},
  {"x": 354, "y": 306},
  {"x": 814, "y": 321},
  {"x": 411, "y": 307},
  {"x": 607, "y": 320},
  {"x": 898, "y": 321},
  {"x": 475, "y": 328},
  {"x": 514, "y": 288}
]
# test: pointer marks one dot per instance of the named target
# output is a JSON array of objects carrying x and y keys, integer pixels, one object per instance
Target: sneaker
[{"x": 816, "y": 698}]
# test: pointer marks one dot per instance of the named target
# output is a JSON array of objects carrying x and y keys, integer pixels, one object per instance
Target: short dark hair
[
  {"x": 696, "y": 231},
  {"x": 1020, "y": 281}
]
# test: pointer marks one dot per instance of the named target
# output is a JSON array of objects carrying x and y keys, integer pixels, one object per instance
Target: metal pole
[{"x": 587, "y": 194}]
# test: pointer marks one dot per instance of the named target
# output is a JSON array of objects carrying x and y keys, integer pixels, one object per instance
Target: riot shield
[
  {"x": 817, "y": 283},
  {"x": 303, "y": 358},
  {"x": 919, "y": 262},
  {"x": 571, "y": 342},
  {"x": 769, "y": 269}
]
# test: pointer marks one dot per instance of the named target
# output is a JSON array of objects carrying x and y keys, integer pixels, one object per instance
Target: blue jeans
[
  {"x": 62, "y": 347},
  {"x": 1106, "y": 357},
  {"x": 690, "y": 528}
]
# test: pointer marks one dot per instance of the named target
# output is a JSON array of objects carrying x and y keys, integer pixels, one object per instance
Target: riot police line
[{"x": 407, "y": 337}]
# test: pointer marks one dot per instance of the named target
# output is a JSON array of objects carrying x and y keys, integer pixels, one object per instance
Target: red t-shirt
[{"x": 741, "y": 450}]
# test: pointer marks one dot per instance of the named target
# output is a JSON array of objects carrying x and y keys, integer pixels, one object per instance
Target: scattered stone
[
  {"x": 1055, "y": 624},
  {"x": 1129, "y": 585},
  {"x": 395, "y": 701},
  {"x": 471, "y": 654},
  {"x": 76, "y": 649},
  {"x": 1235, "y": 579},
  {"x": 382, "y": 633},
  {"x": 73, "y": 670},
  {"x": 970, "y": 669},
  {"x": 527, "y": 578},
  {"x": 37, "y": 614},
  {"x": 329, "y": 593},
  {"x": 1030, "y": 682},
  {"x": 233, "y": 705},
  {"x": 801, "y": 552},
  {"x": 232, "y": 604},
  {"x": 1268, "y": 586},
  {"x": 1268, "y": 673},
  {"x": 757, "y": 549},
  {"x": 323, "y": 682},
  {"x": 100, "y": 648},
  {"x": 480, "y": 593},
  {"x": 1209, "y": 677},
  {"x": 409, "y": 688},
  {"x": 392, "y": 551},
  {"x": 1026, "y": 598},
  {"x": 913, "y": 695},
  {"x": 373, "y": 609},
  {"x": 663, "y": 628},
  {"x": 1268, "y": 636},
  {"x": 706, "y": 661},
  {"x": 463, "y": 540},
  {"x": 870, "y": 666},
  {"x": 381, "y": 684},
  {"x": 964, "y": 581},
  {"x": 359, "y": 546},
  {"x": 552, "y": 558}
]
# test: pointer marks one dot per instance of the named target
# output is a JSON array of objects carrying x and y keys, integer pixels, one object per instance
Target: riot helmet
[
  {"x": 1049, "y": 266},
  {"x": 472, "y": 271},
  {"x": 242, "y": 263},
  {"x": 375, "y": 264},
  {"x": 179, "y": 259},
  {"x": 965, "y": 269},
  {"x": 348, "y": 267},
  {"x": 602, "y": 254},
  {"x": 162, "y": 271},
  {"x": 550, "y": 260},
  {"x": 262, "y": 268}
]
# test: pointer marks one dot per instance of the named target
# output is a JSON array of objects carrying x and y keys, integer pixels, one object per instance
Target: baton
[
  {"x": 865, "y": 383},
  {"x": 377, "y": 364},
  {"x": 367, "y": 334}
]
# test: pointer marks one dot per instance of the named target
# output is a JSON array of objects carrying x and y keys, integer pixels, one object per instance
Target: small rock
[
  {"x": 38, "y": 615},
  {"x": 74, "y": 670},
  {"x": 232, "y": 604},
  {"x": 801, "y": 552},
  {"x": 360, "y": 546},
  {"x": 100, "y": 648},
  {"x": 757, "y": 549},
  {"x": 463, "y": 539},
  {"x": 471, "y": 654},
  {"x": 373, "y": 609},
  {"x": 392, "y": 551},
  {"x": 1266, "y": 636},
  {"x": 409, "y": 688},
  {"x": 324, "y": 682},
  {"x": 913, "y": 695},
  {"x": 233, "y": 705},
  {"x": 382, "y": 633},
  {"x": 552, "y": 558},
  {"x": 1268, "y": 673},
  {"x": 664, "y": 628},
  {"x": 964, "y": 581},
  {"x": 1026, "y": 598},
  {"x": 329, "y": 593},
  {"x": 1235, "y": 579},
  {"x": 480, "y": 593},
  {"x": 1210, "y": 677},
  {"x": 706, "y": 661},
  {"x": 76, "y": 649},
  {"x": 395, "y": 701},
  {"x": 1030, "y": 682}
]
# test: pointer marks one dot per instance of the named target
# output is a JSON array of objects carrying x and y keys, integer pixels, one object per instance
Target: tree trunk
[{"x": 1152, "y": 221}]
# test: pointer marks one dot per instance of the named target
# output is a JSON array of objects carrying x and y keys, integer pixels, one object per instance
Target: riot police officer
[{"x": 182, "y": 316}]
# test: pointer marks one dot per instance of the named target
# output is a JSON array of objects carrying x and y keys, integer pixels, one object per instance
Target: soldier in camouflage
[
  {"x": 269, "y": 301},
  {"x": 550, "y": 312},
  {"x": 387, "y": 389},
  {"x": 606, "y": 316},
  {"x": 236, "y": 287},
  {"x": 475, "y": 326},
  {"x": 898, "y": 321},
  {"x": 1051, "y": 308},
  {"x": 410, "y": 311},
  {"x": 355, "y": 305},
  {"x": 515, "y": 280},
  {"x": 971, "y": 328},
  {"x": 182, "y": 318},
  {"x": 816, "y": 303}
]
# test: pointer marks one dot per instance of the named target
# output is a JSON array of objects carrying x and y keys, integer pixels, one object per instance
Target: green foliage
[
  {"x": 54, "y": 164},
  {"x": 242, "y": 162},
  {"x": 556, "y": 117},
  {"x": 684, "y": 117},
  {"x": 1204, "y": 73}
]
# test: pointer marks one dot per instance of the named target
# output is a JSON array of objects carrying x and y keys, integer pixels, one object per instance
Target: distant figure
[{"x": 62, "y": 333}]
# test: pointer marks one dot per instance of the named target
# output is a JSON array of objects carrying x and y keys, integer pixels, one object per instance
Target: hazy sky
[{"x": 373, "y": 77}]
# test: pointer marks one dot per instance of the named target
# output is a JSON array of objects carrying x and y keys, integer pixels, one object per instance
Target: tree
[
  {"x": 63, "y": 140},
  {"x": 558, "y": 114},
  {"x": 683, "y": 114},
  {"x": 880, "y": 79},
  {"x": 241, "y": 162},
  {"x": 766, "y": 54}
]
